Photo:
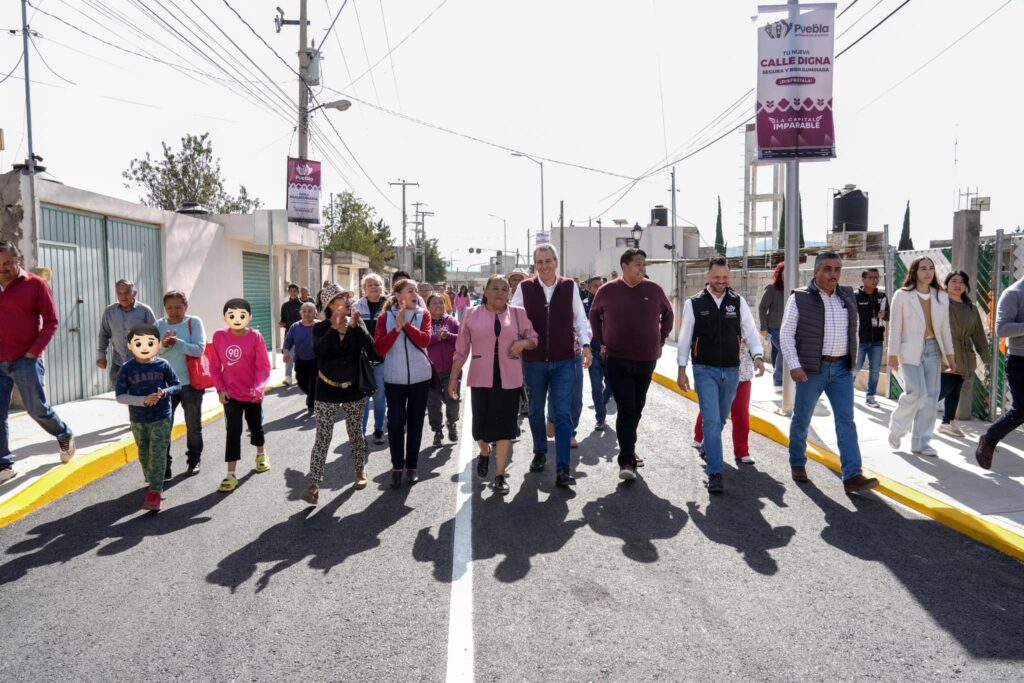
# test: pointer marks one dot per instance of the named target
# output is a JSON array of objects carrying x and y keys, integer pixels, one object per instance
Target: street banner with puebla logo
[
  {"x": 795, "y": 56},
  {"x": 303, "y": 191}
]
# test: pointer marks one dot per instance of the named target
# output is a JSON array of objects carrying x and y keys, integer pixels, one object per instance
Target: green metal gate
[
  {"x": 108, "y": 249},
  {"x": 256, "y": 290}
]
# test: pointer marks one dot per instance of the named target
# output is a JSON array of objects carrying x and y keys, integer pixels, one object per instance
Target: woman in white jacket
[{"x": 919, "y": 336}]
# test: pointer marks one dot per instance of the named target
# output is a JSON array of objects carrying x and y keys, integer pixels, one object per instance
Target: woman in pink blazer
[{"x": 496, "y": 334}]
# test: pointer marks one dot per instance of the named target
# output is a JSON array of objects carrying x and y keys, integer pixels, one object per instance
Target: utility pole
[
  {"x": 561, "y": 235},
  {"x": 33, "y": 237},
  {"x": 421, "y": 236},
  {"x": 405, "y": 264},
  {"x": 305, "y": 57},
  {"x": 676, "y": 309}
]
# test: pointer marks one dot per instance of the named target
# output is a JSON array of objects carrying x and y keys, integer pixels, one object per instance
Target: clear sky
[{"x": 616, "y": 86}]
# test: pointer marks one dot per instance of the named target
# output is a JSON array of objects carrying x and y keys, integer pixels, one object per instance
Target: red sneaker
[{"x": 153, "y": 500}]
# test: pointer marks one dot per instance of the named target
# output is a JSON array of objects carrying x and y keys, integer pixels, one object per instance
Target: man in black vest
[
  {"x": 871, "y": 307},
  {"x": 556, "y": 311},
  {"x": 713, "y": 322},
  {"x": 819, "y": 344}
]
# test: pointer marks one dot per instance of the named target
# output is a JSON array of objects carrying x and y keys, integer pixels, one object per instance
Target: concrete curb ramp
[
  {"x": 83, "y": 470},
  {"x": 961, "y": 520}
]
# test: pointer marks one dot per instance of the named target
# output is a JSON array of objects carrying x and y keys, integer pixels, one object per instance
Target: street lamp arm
[{"x": 340, "y": 105}]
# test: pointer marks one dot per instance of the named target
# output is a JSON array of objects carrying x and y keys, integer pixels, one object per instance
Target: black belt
[{"x": 834, "y": 359}]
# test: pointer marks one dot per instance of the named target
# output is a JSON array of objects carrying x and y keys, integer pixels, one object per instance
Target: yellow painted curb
[
  {"x": 963, "y": 521},
  {"x": 83, "y": 470}
]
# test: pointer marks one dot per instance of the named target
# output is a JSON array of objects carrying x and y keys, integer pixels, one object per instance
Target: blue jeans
[
  {"x": 836, "y": 381},
  {"x": 28, "y": 374},
  {"x": 716, "y": 389},
  {"x": 600, "y": 388},
  {"x": 557, "y": 378},
  {"x": 379, "y": 400},
  {"x": 774, "y": 333},
  {"x": 576, "y": 407},
  {"x": 873, "y": 352},
  {"x": 915, "y": 411}
]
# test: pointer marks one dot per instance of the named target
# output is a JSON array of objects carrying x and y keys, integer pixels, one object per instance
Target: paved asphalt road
[{"x": 641, "y": 581}]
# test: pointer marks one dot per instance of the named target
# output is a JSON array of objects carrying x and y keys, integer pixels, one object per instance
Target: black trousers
[
  {"x": 306, "y": 374},
  {"x": 407, "y": 408},
  {"x": 1014, "y": 417},
  {"x": 630, "y": 380},
  {"x": 191, "y": 402},
  {"x": 234, "y": 411}
]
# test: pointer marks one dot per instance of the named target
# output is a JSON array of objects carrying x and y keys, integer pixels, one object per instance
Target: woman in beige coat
[{"x": 919, "y": 336}]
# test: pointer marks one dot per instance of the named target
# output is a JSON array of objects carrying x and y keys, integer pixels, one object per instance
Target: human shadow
[
  {"x": 296, "y": 421},
  {"x": 539, "y": 528},
  {"x": 636, "y": 515},
  {"x": 317, "y": 533},
  {"x": 599, "y": 446},
  {"x": 736, "y": 519},
  {"x": 89, "y": 528},
  {"x": 973, "y": 593},
  {"x": 82, "y": 441}
]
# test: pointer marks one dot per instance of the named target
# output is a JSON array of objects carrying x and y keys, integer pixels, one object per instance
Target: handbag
[
  {"x": 365, "y": 381},
  {"x": 199, "y": 366}
]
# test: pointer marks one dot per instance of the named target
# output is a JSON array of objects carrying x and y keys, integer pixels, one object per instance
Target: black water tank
[
  {"x": 850, "y": 210},
  {"x": 659, "y": 215}
]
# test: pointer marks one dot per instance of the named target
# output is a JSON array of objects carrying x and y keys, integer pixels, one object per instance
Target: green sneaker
[
  {"x": 229, "y": 484},
  {"x": 262, "y": 462}
]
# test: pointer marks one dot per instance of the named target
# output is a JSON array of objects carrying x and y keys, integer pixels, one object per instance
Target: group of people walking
[{"x": 402, "y": 354}]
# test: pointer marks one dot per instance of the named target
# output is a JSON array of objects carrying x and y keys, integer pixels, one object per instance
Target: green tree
[
  {"x": 436, "y": 266},
  {"x": 906, "y": 243},
  {"x": 782, "y": 224},
  {"x": 719, "y": 237},
  {"x": 191, "y": 174},
  {"x": 348, "y": 225}
]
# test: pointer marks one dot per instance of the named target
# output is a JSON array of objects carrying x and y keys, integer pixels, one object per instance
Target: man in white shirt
[
  {"x": 556, "y": 311},
  {"x": 819, "y": 342},
  {"x": 713, "y": 322}
]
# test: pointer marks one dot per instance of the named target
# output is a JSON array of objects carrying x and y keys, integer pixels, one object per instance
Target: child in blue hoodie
[{"x": 145, "y": 384}]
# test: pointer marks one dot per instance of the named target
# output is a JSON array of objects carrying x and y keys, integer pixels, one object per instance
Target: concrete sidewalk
[
  {"x": 985, "y": 504},
  {"x": 104, "y": 442}
]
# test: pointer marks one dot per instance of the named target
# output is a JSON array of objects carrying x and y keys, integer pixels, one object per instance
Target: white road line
[{"x": 460, "y": 606}]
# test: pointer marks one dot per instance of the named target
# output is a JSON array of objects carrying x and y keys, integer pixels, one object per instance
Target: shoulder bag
[{"x": 199, "y": 366}]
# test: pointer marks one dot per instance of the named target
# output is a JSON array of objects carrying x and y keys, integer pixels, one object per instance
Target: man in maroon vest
[{"x": 556, "y": 311}]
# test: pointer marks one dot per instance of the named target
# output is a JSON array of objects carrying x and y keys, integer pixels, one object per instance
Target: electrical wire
[
  {"x": 341, "y": 51},
  {"x": 39, "y": 53},
  {"x": 387, "y": 43},
  {"x": 397, "y": 45},
  {"x": 14, "y": 68},
  {"x": 473, "y": 138},
  {"x": 366, "y": 53},
  {"x": 935, "y": 56},
  {"x": 871, "y": 30},
  {"x": 847, "y": 8},
  {"x": 335, "y": 20},
  {"x": 858, "y": 19}
]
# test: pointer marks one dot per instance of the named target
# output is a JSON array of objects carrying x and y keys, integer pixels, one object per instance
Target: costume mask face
[
  {"x": 237, "y": 318},
  {"x": 144, "y": 346}
]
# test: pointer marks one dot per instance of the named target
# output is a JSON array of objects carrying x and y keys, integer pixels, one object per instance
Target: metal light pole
[
  {"x": 33, "y": 224},
  {"x": 792, "y": 257},
  {"x": 405, "y": 221},
  {"x": 541, "y": 164}
]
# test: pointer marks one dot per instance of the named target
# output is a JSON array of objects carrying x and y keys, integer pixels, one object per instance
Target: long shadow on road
[
  {"x": 738, "y": 520},
  {"x": 318, "y": 534},
  {"x": 975, "y": 595},
  {"x": 636, "y": 515},
  {"x": 64, "y": 539}
]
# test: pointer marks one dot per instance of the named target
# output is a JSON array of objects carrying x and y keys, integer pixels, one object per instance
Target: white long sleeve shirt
[
  {"x": 748, "y": 330},
  {"x": 580, "y": 322}
]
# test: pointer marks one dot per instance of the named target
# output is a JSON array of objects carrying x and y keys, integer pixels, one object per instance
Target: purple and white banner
[
  {"x": 303, "y": 191},
  {"x": 795, "y": 56}
]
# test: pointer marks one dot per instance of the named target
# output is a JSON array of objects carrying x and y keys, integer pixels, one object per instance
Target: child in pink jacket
[{"x": 240, "y": 369}]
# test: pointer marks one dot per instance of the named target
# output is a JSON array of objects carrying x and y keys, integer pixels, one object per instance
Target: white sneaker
[
  {"x": 288, "y": 380},
  {"x": 745, "y": 460},
  {"x": 927, "y": 450},
  {"x": 7, "y": 474},
  {"x": 894, "y": 441},
  {"x": 697, "y": 444},
  {"x": 950, "y": 429},
  {"x": 67, "y": 448}
]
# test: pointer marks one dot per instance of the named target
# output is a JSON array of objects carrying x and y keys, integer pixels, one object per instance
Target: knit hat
[{"x": 332, "y": 292}]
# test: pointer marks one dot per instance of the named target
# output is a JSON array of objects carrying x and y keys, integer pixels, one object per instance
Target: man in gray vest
[
  {"x": 819, "y": 344},
  {"x": 118, "y": 319},
  {"x": 713, "y": 322}
]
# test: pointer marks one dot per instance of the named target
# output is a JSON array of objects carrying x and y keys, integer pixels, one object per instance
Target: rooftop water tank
[{"x": 850, "y": 210}]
